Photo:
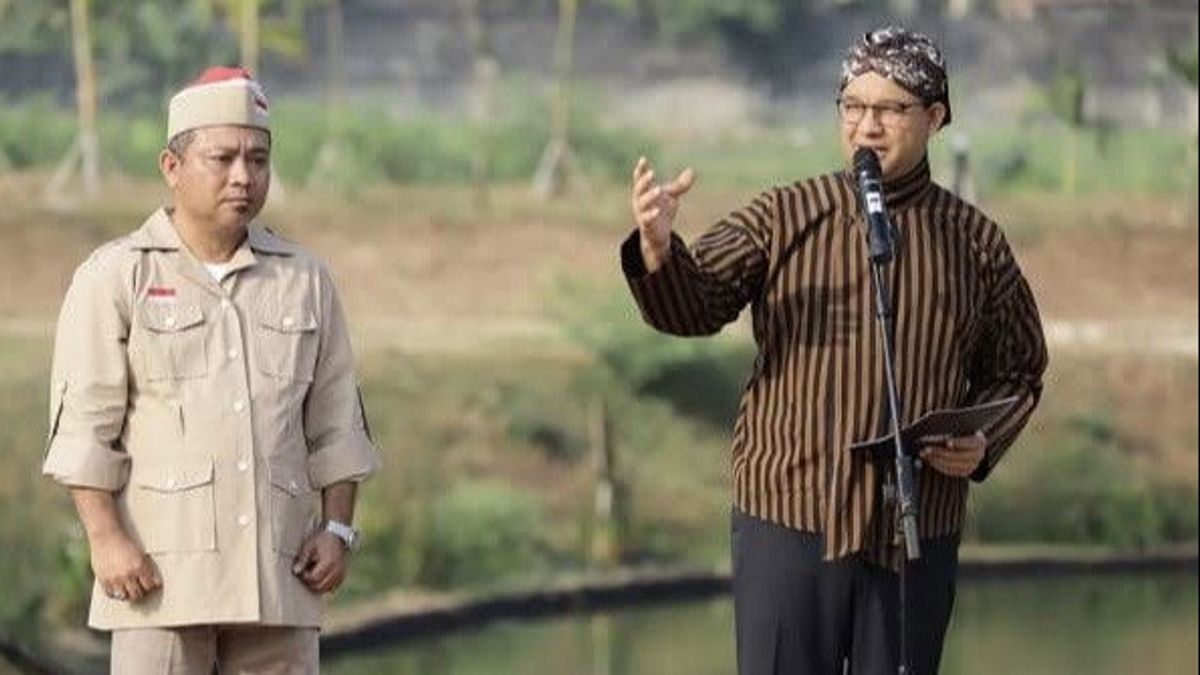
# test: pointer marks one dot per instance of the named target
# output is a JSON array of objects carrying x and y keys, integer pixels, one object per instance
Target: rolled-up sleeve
[
  {"x": 89, "y": 389},
  {"x": 335, "y": 424}
]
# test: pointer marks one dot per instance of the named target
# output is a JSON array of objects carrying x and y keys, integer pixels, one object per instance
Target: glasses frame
[{"x": 883, "y": 113}]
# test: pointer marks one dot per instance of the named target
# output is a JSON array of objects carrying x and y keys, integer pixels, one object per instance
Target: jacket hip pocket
[
  {"x": 171, "y": 507},
  {"x": 293, "y": 504}
]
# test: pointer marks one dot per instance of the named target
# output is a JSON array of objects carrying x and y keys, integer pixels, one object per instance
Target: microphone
[{"x": 869, "y": 176}]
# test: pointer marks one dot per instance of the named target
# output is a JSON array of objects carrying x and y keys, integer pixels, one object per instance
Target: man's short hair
[{"x": 179, "y": 142}]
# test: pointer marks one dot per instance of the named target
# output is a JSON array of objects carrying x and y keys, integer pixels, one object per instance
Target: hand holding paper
[
  {"x": 952, "y": 441},
  {"x": 956, "y": 456}
]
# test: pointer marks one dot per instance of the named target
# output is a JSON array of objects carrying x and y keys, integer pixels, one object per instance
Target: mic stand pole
[{"x": 904, "y": 487}]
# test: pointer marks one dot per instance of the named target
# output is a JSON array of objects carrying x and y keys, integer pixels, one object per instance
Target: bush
[
  {"x": 377, "y": 144},
  {"x": 482, "y": 532},
  {"x": 700, "y": 378},
  {"x": 1077, "y": 484},
  {"x": 35, "y": 133},
  {"x": 1028, "y": 159}
]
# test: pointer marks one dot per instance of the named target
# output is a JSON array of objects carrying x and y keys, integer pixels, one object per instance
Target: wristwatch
[{"x": 347, "y": 534}]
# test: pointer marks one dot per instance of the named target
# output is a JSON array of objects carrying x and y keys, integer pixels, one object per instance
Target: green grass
[
  {"x": 1004, "y": 160},
  {"x": 378, "y": 145}
]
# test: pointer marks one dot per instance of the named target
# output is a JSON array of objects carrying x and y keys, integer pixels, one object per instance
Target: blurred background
[{"x": 463, "y": 165}]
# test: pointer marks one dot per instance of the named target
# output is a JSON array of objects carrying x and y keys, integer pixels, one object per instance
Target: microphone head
[{"x": 866, "y": 161}]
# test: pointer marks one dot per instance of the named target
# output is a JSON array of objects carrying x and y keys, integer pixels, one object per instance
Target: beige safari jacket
[{"x": 216, "y": 413}]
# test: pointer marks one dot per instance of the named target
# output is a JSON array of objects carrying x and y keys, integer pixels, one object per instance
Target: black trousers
[{"x": 798, "y": 615}]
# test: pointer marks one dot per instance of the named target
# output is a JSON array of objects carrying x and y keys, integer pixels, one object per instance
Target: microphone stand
[
  {"x": 904, "y": 473},
  {"x": 880, "y": 254}
]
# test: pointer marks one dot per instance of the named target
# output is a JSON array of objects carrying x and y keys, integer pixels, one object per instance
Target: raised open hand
[{"x": 654, "y": 207}]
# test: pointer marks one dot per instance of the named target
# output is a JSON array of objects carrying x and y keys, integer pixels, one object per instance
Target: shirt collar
[
  {"x": 158, "y": 233},
  {"x": 907, "y": 189},
  {"x": 902, "y": 192}
]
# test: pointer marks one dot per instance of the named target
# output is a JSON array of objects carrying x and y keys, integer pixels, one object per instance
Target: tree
[
  {"x": 138, "y": 45},
  {"x": 485, "y": 71},
  {"x": 276, "y": 26},
  {"x": 1065, "y": 98},
  {"x": 557, "y": 167},
  {"x": 1183, "y": 63},
  {"x": 683, "y": 17},
  {"x": 325, "y": 169},
  {"x": 282, "y": 34},
  {"x": 22, "y": 27},
  {"x": 84, "y": 154},
  {"x": 148, "y": 48}
]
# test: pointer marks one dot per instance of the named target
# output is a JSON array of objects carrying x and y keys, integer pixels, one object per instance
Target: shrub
[
  {"x": 481, "y": 532},
  {"x": 1077, "y": 484}
]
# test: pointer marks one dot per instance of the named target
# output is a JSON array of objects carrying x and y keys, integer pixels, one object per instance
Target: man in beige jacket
[{"x": 205, "y": 413}]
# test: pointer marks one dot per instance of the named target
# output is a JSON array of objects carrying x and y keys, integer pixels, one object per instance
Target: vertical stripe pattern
[{"x": 966, "y": 331}]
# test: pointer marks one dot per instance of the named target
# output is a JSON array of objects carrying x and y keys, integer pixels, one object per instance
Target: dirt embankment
[{"x": 425, "y": 253}]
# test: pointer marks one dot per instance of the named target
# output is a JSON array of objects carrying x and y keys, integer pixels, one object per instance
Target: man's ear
[
  {"x": 937, "y": 117},
  {"x": 168, "y": 166}
]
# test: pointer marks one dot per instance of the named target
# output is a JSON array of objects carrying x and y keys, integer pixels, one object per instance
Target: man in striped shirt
[{"x": 815, "y": 543}]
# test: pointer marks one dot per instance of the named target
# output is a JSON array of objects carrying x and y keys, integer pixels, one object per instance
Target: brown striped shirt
[{"x": 966, "y": 326}]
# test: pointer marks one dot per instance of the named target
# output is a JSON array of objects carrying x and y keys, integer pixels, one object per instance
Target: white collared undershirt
[{"x": 217, "y": 270}]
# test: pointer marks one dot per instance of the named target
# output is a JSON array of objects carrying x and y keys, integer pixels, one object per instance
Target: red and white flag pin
[{"x": 160, "y": 294}]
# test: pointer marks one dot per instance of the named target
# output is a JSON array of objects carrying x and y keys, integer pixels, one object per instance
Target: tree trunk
[
  {"x": 610, "y": 512},
  {"x": 557, "y": 166},
  {"x": 85, "y": 77},
  {"x": 248, "y": 35},
  {"x": 1070, "y": 161},
  {"x": 325, "y": 168},
  {"x": 84, "y": 153},
  {"x": 485, "y": 73}
]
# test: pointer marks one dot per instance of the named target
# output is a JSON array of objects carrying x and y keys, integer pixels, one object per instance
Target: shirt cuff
[
  {"x": 632, "y": 263},
  {"x": 347, "y": 457},
  {"x": 78, "y": 463}
]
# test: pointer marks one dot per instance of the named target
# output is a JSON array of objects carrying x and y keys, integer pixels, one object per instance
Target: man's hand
[
  {"x": 654, "y": 208},
  {"x": 124, "y": 571},
  {"x": 321, "y": 562},
  {"x": 955, "y": 456}
]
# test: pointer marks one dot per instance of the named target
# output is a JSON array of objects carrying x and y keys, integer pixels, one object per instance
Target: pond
[{"x": 1061, "y": 625}]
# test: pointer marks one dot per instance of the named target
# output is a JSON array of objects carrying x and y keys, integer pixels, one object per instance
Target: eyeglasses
[{"x": 889, "y": 113}]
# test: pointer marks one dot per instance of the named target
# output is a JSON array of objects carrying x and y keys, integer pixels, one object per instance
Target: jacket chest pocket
[
  {"x": 287, "y": 343},
  {"x": 293, "y": 505},
  {"x": 174, "y": 345},
  {"x": 171, "y": 506}
]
